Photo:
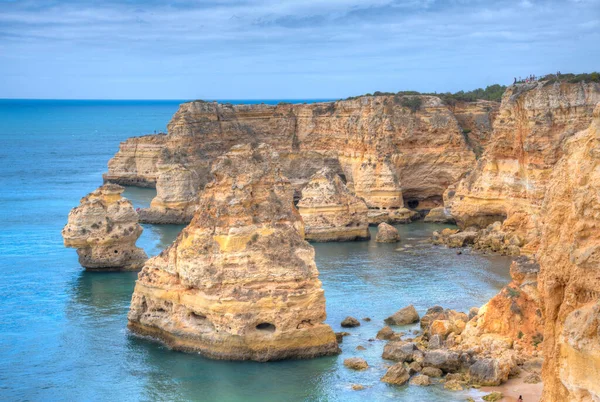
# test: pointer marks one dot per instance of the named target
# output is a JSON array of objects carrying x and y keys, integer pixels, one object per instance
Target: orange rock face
[
  {"x": 240, "y": 281},
  {"x": 569, "y": 257},
  {"x": 514, "y": 313},
  {"x": 511, "y": 178},
  {"x": 387, "y": 152}
]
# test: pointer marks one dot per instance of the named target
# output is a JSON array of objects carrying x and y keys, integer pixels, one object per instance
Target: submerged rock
[
  {"x": 330, "y": 212},
  {"x": 404, "y": 316},
  {"x": 387, "y": 234},
  {"x": 240, "y": 282},
  {"x": 104, "y": 229}
]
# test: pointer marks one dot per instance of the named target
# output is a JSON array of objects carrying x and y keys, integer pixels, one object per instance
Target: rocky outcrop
[
  {"x": 240, "y": 282},
  {"x": 569, "y": 257},
  {"x": 387, "y": 234},
  {"x": 493, "y": 238},
  {"x": 439, "y": 215},
  {"x": 511, "y": 178},
  {"x": 404, "y": 316},
  {"x": 330, "y": 212},
  {"x": 513, "y": 317},
  {"x": 388, "y": 152},
  {"x": 104, "y": 229},
  {"x": 136, "y": 163},
  {"x": 177, "y": 195}
]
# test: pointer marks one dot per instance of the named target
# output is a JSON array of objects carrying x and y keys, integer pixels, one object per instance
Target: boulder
[
  {"x": 404, "y": 316},
  {"x": 453, "y": 385},
  {"x": 396, "y": 375},
  {"x": 493, "y": 397},
  {"x": 400, "y": 351},
  {"x": 350, "y": 322},
  {"x": 432, "y": 372},
  {"x": 387, "y": 234},
  {"x": 356, "y": 363},
  {"x": 420, "y": 380},
  {"x": 488, "y": 372},
  {"x": 439, "y": 215},
  {"x": 386, "y": 333},
  {"x": 447, "y": 361}
]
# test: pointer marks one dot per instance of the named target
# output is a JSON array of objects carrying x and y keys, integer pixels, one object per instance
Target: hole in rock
[
  {"x": 266, "y": 326},
  {"x": 412, "y": 204},
  {"x": 116, "y": 252},
  {"x": 197, "y": 316}
]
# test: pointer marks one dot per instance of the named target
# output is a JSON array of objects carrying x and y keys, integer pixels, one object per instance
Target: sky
[{"x": 285, "y": 49}]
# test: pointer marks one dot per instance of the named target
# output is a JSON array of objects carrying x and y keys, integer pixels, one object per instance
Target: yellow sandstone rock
[
  {"x": 104, "y": 229},
  {"x": 330, "y": 212},
  {"x": 240, "y": 282}
]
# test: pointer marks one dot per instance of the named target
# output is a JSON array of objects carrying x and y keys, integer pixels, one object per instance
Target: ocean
[{"x": 63, "y": 331}]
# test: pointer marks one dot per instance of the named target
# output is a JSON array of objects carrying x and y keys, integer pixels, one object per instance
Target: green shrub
[{"x": 413, "y": 103}]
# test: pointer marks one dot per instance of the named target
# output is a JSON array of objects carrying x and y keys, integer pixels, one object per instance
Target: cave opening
[
  {"x": 266, "y": 326},
  {"x": 412, "y": 204}
]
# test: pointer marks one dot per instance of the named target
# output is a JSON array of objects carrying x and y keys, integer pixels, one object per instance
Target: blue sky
[{"x": 241, "y": 49}]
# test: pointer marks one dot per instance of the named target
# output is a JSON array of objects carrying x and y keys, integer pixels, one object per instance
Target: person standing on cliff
[{"x": 515, "y": 81}]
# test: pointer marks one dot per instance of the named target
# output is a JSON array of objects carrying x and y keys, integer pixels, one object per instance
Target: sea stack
[
  {"x": 104, "y": 229},
  {"x": 240, "y": 282},
  {"x": 330, "y": 212}
]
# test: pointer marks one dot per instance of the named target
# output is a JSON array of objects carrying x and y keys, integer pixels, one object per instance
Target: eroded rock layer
[
  {"x": 569, "y": 257},
  {"x": 330, "y": 212},
  {"x": 510, "y": 179},
  {"x": 104, "y": 229},
  {"x": 240, "y": 282},
  {"x": 387, "y": 152}
]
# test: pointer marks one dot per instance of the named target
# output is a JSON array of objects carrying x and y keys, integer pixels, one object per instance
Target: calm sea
[{"x": 63, "y": 332}]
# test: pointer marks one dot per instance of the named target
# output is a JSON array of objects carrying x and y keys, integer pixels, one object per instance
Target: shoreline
[{"x": 511, "y": 390}]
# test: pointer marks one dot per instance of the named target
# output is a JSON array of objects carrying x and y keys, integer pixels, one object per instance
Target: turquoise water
[{"x": 63, "y": 331}]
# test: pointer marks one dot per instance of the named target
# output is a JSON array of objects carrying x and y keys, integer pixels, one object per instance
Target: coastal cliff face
[
  {"x": 477, "y": 120},
  {"x": 176, "y": 196},
  {"x": 330, "y": 212},
  {"x": 569, "y": 257},
  {"x": 240, "y": 282},
  {"x": 510, "y": 179},
  {"x": 104, "y": 229},
  {"x": 388, "y": 153},
  {"x": 136, "y": 163}
]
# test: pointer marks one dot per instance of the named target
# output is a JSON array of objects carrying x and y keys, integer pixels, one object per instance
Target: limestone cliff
[
  {"x": 240, "y": 282},
  {"x": 476, "y": 120},
  {"x": 388, "y": 153},
  {"x": 510, "y": 179},
  {"x": 104, "y": 229},
  {"x": 176, "y": 196},
  {"x": 136, "y": 163},
  {"x": 569, "y": 257},
  {"x": 330, "y": 212}
]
